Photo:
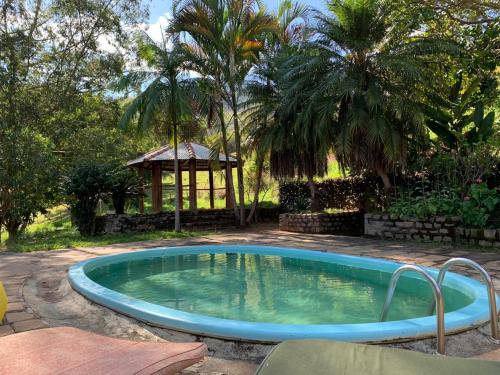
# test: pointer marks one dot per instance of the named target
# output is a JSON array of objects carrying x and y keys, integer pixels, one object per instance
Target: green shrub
[
  {"x": 351, "y": 193},
  {"x": 122, "y": 183},
  {"x": 87, "y": 183},
  {"x": 30, "y": 181},
  {"x": 475, "y": 209},
  {"x": 91, "y": 181},
  {"x": 479, "y": 205},
  {"x": 427, "y": 205}
]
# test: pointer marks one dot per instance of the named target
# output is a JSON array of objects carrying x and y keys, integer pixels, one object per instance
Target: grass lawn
[
  {"x": 54, "y": 231},
  {"x": 69, "y": 237}
]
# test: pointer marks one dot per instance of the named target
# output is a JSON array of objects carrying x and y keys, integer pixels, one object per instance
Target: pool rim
[{"x": 470, "y": 316}]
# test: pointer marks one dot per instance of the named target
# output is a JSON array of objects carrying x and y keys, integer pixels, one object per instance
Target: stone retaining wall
[
  {"x": 438, "y": 229},
  {"x": 344, "y": 223},
  {"x": 190, "y": 220}
]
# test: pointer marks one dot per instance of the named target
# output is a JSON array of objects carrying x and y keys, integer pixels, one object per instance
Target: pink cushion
[{"x": 66, "y": 350}]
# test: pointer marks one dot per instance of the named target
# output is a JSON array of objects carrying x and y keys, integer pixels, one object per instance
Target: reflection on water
[{"x": 265, "y": 288}]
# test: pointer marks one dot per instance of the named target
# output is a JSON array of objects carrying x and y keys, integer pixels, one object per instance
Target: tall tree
[
  {"x": 51, "y": 53},
  {"x": 169, "y": 92},
  {"x": 204, "y": 59},
  {"x": 263, "y": 103},
  {"x": 236, "y": 29},
  {"x": 361, "y": 74}
]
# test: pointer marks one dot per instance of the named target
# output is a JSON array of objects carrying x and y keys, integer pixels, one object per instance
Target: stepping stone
[
  {"x": 28, "y": 325},
  {"x": 5, "y": 330},
  {"x": 13, "y": 317},
  {"x": 16, "y": 306}
]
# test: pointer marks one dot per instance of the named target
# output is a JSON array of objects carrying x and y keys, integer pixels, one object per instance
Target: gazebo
[{"x": 192, "y": 157}]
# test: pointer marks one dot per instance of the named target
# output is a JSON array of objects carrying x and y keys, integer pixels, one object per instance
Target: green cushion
[{"x": 340, "y": 358}]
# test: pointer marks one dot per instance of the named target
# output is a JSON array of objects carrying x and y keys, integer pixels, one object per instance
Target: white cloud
[
  {"x": 106, "y": 43},
  {"x": 156, "y": 29}
]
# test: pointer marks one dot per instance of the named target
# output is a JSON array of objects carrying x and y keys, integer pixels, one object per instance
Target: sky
[{"x": 158, "y": 9}]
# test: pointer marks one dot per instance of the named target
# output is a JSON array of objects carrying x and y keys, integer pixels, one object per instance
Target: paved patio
[{"x": 33, "y": 284}]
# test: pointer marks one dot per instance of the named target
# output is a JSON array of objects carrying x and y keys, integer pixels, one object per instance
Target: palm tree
[
  {"x": 360, "y": 74},
  {"x": 263, "y": 101},
  {"x": 297, "y": 145},
  {"x": 169, "y": 92},
  {"x": 211, "y": 102},
  {"x": 229, "y": 32}
]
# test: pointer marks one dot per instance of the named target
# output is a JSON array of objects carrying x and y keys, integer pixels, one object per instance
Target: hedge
[{"x": 350, "y": 193}]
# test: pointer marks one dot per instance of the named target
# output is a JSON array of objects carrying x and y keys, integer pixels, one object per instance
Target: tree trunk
[
  {"x": 260, "y": 168},
  {"x": 237, "y": 141},
  {"x": 177, "y": 225},
  {"x": 118, "y": 199},
  {"x": 385, "y": 179},
  {"x": 13, "y": 231},
  {"x": 229, "y": 170},
  {"x": 237, "y": 136},
  {"x": 314, "y": 196}
]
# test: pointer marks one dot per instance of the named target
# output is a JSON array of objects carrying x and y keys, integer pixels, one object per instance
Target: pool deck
[{"x": 32, "y": 279}]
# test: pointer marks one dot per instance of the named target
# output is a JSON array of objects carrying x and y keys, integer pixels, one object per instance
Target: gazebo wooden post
[
  {"x": 194, "y": 157},
  {"x": 211, "y": 186},
  {"x": 192, "y": 184},
  {"x": 157, "y": 187},
  {"x": 229, "y": 203},
  {"x": 141, "y": 189},
  {"x": 179, "y": 178}
]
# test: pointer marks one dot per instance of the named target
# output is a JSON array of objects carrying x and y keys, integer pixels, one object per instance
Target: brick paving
[
  {"x": 16, "y": 268},
  {"x": 19, "y": 316}
]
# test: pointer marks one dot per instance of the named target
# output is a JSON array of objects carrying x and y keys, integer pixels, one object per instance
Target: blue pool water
[{"x": 269, "y": 288}]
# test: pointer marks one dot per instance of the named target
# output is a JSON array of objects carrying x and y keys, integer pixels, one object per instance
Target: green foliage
[
  {"x": 478, "y": 205},
  {"x": 52, "y": 68},
  {"x": 360, "y": 76},
  {"x": 351, "y": 193},
  {"x": 428, "y": 204},
  {"x": 93, "y": 181},
  {"x": 53, "y": 59},
  {"x": 475, "y": 209},
  {"x": 459, "y": 119},
  {"x": 29, "y": 179},
  {"x": 361, "y": 80},
  {"x": 123, "y": 183},
  {"x": 456, "y": 170},
  {"x": 86, "y": 185},
  {"x": 70, "y": 238},
  {"x": 225, "y": 40},
  {"x": 170, "y": 95}
]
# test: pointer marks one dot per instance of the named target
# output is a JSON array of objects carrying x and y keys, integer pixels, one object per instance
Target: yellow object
[{"x": 3, "y": 301}]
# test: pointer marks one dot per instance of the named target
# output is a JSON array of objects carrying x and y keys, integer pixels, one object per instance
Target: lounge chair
[
  {"x": 66, "y": 350},
  {"x": 320, "y": 357}
]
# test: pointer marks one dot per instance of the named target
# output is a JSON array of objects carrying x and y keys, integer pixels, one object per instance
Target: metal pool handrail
[
  {"x": 438, "y": 299},
  {"x": 495, "y": 334}
]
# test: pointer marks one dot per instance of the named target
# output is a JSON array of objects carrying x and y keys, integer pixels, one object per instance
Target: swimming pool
[{"x": 271, "y": 294}]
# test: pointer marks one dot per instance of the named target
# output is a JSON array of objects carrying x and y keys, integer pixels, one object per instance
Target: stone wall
[
  {"x": 190, "y": 220},
  {"x": 437, "y": 229},
  {"x": 344, "y": 223},
  {"x": 481, "y": 237}
]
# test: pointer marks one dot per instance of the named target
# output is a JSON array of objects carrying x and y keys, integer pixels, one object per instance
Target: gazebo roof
[{"x": 186, "y": 151}]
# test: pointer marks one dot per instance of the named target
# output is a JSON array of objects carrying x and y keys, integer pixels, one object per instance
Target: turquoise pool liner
[{"x": 465, "y": 318}]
